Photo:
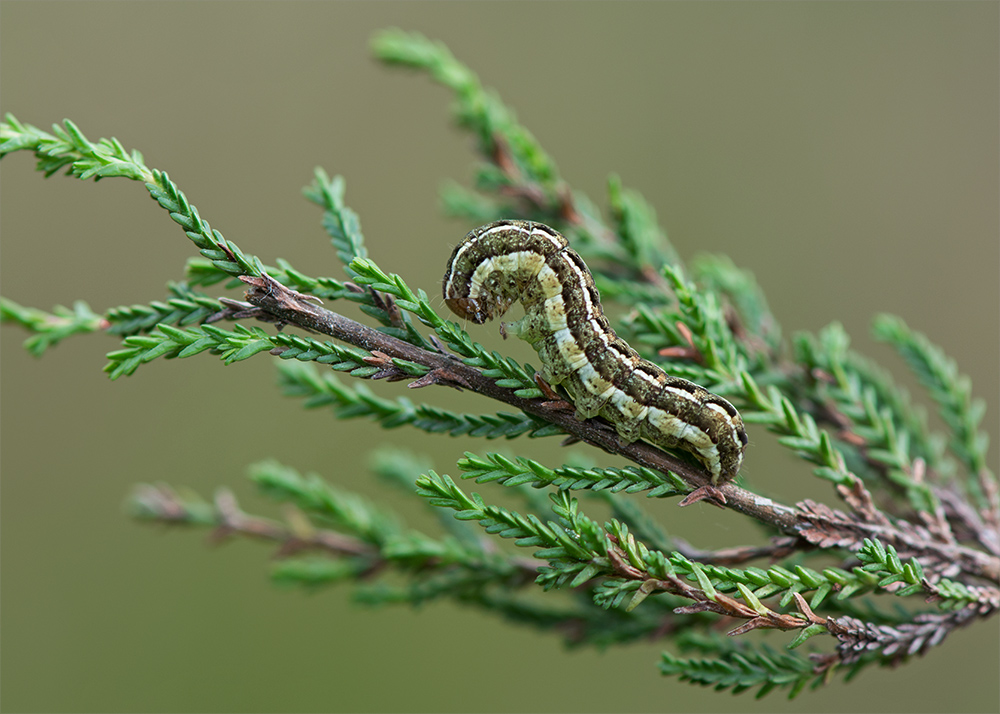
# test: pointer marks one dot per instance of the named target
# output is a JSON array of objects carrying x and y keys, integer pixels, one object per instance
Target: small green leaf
[
  {"x": 704, "y": 582},
  {"x": 249, "y": 350},
  {"x": 805, "y": 634}
]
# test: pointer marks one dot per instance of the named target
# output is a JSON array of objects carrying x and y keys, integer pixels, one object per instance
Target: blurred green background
[{"x": 844, "y": 152}]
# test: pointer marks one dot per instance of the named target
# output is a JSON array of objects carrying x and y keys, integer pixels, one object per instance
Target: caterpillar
[{"x": 564, "y": 322}]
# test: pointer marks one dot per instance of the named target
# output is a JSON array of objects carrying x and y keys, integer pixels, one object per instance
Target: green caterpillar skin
[{"x": 564, "y": 322}]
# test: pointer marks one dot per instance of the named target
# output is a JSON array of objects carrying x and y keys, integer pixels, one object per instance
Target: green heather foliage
[{"x": 910, "y": 553}]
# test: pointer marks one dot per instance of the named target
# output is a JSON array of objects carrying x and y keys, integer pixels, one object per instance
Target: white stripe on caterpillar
[{"x": 564, "y": 322}]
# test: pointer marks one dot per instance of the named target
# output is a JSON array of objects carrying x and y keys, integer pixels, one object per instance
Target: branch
[
  {"x": 290, "y": 308},
  {"x": 809, "y": 521},
  {"x": 163, "y": 504}
]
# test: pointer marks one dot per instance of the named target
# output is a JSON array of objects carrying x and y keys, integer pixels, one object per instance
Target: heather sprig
[{"x": 913, "y": 524}]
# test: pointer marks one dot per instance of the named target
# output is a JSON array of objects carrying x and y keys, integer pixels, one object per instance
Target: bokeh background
[{"x": 844, "y": 152}]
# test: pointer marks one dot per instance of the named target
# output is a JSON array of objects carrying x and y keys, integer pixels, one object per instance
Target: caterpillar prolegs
[{"x": 564, "y": 322}]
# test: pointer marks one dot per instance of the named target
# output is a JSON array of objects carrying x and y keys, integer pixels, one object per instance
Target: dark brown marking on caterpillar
[{"x": 564, "y": 322}]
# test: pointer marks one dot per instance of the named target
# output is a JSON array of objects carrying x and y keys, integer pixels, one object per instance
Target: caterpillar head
[
  {"x": 470, "y": 309},
  {"x": 489, "y": 270}
]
